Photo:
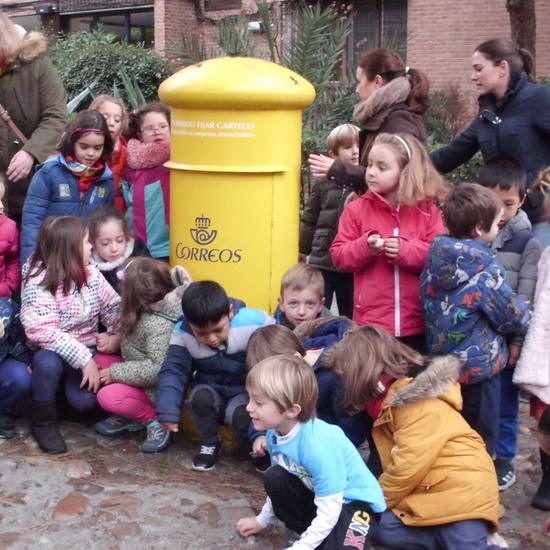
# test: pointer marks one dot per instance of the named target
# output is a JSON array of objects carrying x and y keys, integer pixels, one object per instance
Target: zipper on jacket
[{"x": 397, "y": 293}]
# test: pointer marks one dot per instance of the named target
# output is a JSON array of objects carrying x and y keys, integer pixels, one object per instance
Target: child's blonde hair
[
  {"x": 342, "y": 135},
  {"x": 269, "y": 341},
  {"x": 543, "y": 184},
  {"x": 101, "y": 99},
  {"x": 287, "y": 380},
  {"x": 301, "y": 277},
  {"x": 419, "y": 179}
]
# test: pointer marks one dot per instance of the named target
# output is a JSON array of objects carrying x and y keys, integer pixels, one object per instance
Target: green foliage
[
  {"x": 436, "y": 118},
  {"x": 84, "y": 57},
  {"x": 465, "y": 173}
]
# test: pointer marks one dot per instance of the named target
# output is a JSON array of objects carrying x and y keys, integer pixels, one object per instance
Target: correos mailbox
[{"x": 235, "y": 173}]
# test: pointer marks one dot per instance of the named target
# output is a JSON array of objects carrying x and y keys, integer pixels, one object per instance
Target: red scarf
[
  {"x": 375, "y": 405},
  {"x": 86, "y": 175}
]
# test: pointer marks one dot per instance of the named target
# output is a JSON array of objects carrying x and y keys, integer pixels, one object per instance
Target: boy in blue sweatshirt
[{"x": 208, "y": 351}]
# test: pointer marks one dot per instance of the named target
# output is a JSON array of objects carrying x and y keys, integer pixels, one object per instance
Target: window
[{"x": 212, "y": 5}]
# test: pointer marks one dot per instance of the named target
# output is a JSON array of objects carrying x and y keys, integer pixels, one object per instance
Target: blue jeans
[
  {"x": 460, "y": 535},
  {"x": 15, "y": 382},
  {"x": 508, "y": 426},
  {"x": 49, "y": 370}
]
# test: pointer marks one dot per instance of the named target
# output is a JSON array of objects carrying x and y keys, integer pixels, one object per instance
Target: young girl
[
  {"x": 15, "y": 378},
  {"x": 150, "y": 307},
  {"x": 146, "y": 181},
  {"x": 543, "y": 435},
  {"x": 74, "y": 182},
  {"x": 433, "y": 461},
  {"x": 384, "y": 237},
  {"x": 112, "y": 242},
  {"x": 63, "y": 300},
  {"x": 114, "y": 112}
]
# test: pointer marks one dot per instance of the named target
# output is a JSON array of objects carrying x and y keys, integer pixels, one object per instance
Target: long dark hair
[
  {"x": 59, "y": 253},
  {"x": 498, "y": 50},
  {"x": 389, "y": 65}
]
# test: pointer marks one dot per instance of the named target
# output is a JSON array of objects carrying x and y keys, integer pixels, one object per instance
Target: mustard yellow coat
[{"x": 436, "y": 468}]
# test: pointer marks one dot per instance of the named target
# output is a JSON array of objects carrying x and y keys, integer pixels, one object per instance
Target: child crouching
[{"x": 318, "y": 485}]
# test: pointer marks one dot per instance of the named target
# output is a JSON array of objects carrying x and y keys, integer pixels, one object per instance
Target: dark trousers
[
  {"x": 293, "y": 503},
  {"x": 340, "y": 284},
  {"x": 481, "y": 409},
  {"x": 49, "y": 370},
  {"x": 508, "y": 428},
  {"x": 15, "y": 382}
]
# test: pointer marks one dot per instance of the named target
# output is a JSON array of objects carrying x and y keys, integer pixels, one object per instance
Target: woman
[
  {"x": 513, "y": 119},
  {"x": 34, "y": 97},
  {"x": 394, "y": 99}
]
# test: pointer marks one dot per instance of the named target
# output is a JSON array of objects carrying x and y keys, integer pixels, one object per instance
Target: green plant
[{"x": 81, "y": 58}]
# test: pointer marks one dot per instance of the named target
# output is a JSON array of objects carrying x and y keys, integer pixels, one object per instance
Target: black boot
[
  {"x": 7, "y": 426},
  {"x": 541, "y": 500},
  {"x": 44, "y": 427}
]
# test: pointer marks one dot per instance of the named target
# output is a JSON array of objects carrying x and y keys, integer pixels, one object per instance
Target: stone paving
[{"x": 106, "y": 494}]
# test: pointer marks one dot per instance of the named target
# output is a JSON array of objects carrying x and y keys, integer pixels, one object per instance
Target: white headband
[{"x": 404, "y": 145}]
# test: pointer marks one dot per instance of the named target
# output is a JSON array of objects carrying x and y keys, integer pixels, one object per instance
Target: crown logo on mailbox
[{"x": 200, "y": 234}]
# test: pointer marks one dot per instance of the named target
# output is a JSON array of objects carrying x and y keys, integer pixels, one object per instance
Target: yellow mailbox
[{"x": 235, "y": 173}]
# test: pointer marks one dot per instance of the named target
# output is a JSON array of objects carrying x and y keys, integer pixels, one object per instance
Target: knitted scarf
[
  {"x": 143, "y": 156},
  {"x": 394, "y": 92},
  {"x": 86, "y": 175}
]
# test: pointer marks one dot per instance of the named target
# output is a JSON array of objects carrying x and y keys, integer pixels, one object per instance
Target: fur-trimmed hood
[
  {"x": 33, "y": 45},
  {"x": 182, "y": 279},
  {"x": 437, "y": 381},
  {"x": 102, "y": 265}
]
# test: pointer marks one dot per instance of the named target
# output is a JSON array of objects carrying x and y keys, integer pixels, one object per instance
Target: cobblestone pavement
[{"x": 106, "y": 494}]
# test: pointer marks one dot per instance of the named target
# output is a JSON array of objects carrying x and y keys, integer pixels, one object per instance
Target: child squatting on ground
[
  {"x": 318, "y": 485},
  {"x": 208, "y": 351}
]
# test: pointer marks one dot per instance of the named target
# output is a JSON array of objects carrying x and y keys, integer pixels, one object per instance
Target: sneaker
[
  {"x": 293, "y": 538},
  {"x": 505, "y": 473},
  {"x": 207, "y": 458},
  {"x": 261, "y": 463},
  {"x": 158, "y": 438},
  {"x": 117, "y": 424},
  {"x": 496, "y": 540},
  {"x": 7, "y": 426}
]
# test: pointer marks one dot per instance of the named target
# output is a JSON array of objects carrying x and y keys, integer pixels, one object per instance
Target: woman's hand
[
  {"x": 248, "y": 526},
  {"x": 20, "y": 166},
  {"x": 108, "y": 343},
  {"x": 105, "y": 377},
  {"x": 320, "y": 165},
  {"x": 90, "y": 376}
]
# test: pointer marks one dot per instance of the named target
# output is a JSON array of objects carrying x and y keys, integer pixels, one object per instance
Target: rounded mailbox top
[{"x": 237, "y": 83}]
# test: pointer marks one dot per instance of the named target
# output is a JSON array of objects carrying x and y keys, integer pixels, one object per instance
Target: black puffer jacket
[
  {"x": 518, "y": 125},
  {"x": 319, "y": 223}
]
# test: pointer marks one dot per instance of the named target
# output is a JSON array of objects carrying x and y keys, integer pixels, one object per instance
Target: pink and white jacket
[
  {"x": 67, "y": 324},
  {"x": 386, "y": 292}
]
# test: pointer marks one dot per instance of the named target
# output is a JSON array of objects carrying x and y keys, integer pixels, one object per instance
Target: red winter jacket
[
  {"x": 387, "y": 292},
  {"x": 10, "y": 271}
]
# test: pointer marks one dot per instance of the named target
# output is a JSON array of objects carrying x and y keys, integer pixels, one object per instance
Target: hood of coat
[
  {"x": 34, "y": 45},
  {"x": 452, "y": 262},
  {"x": 519, "y": 222},
  {"x": 182, "y": 279},
  {"x": 437, "y": 381}
]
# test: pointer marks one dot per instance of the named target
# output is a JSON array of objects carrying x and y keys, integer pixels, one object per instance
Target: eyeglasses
[{"x": 150, "y": 130}]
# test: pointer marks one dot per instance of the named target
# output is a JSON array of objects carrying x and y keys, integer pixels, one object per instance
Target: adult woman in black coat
[{"x": 513, "y": 119}]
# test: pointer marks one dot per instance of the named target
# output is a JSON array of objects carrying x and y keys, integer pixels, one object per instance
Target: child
[
  {"x": 384, "y": 236},
  {"x": 543, "y": 435},
  {"x": 207, "y": 350},
  {"x": 74, "y": 182},
  {"x": 149, "y": 308},
  {"x": 318, "y": 485},
  {"x": 276, "y": 339},
  {"x": 114, "y": 112},
  {"x": 146, "y": 181},
  {"x": 63, "y": 300},
  {"x": 467, "y": 304},
  {"x": 518, "y": 251},
  {"x": 320, "y": 217},
  {"x": 434, "y": 463},
  {"x": 302, "y": 296},
  {"x": 112, "y": 242},
  {"x": 15, "y": 378}
]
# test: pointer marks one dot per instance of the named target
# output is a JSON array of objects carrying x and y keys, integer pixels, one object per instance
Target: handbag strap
[{"x": 7, "y": 119}]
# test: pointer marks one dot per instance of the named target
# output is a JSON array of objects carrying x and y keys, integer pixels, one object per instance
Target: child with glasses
[{"x": 146, "y": 181}]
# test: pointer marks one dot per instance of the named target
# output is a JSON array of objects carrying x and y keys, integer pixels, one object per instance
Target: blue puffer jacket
[
  {"x": 54, "y": 192},
  {"x": 518, "y": 126},
  {"x": 468, "y": 306},
  {"x": 190, "y": 362}
]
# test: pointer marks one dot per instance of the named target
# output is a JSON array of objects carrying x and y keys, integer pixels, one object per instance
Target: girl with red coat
[{"x": 384, "y": 236}]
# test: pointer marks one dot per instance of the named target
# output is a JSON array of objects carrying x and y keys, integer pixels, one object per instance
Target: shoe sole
[
  {"x": 202, "y": 468},
  {"x": 157, "y": 449},
  {"x": 507, "y": 484},
  {"x": 119, "y": 431}
]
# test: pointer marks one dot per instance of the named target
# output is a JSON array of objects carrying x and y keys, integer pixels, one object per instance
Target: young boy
[
  {"x": 518, "y": 251},
  {"x": 318, "y": 485},
  {"x": 302, "y": 296},
  {"x": 319, "y": 223},
  {"x": 468, "y": 306},
  {"x": 208, "y": 350}
]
